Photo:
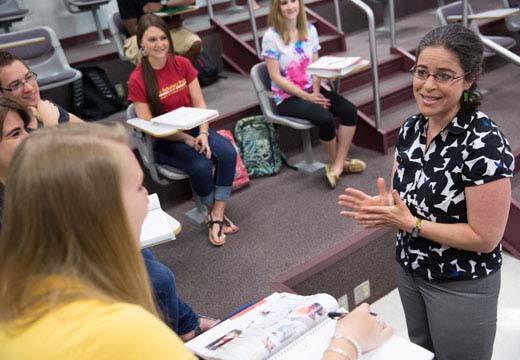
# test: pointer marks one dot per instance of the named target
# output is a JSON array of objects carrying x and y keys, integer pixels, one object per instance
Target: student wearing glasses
[
  {"x": 449, "y": 201},
  {"x": 19, "y": 83}
]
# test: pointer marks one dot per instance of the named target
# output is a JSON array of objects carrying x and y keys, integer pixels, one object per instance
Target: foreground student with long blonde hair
[{"x": 72, "y": 282}]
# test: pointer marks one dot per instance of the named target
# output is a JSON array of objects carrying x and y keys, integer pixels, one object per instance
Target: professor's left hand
[{"x": 397, "y": 216}]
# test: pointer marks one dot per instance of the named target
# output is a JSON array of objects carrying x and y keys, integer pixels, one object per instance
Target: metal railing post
[
  {"x": 465, "y": 13},
  {"x": 209, "y": 5},
  {"x": 391, "y": 14},
  {"x": 373, "y": 58},
  {"x": 338, "y": 19},
  {"x": 252, "y": 19}
]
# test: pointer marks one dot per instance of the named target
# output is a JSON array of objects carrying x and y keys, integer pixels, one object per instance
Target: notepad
[
  {"x": 185, "y": 118},
  {"x": 156, "y": 228},
  {"x": 334, "y": 66},
  {"x": 287, "y": 327},
  {"x": 176, "y": 10}
]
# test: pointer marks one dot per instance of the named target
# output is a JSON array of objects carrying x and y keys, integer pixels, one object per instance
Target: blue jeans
[
  {"x": 207, "y": 185},
  {"x": 179, "y": 316}
]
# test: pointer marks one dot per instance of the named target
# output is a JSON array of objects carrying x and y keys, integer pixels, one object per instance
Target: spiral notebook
[{"x": 287, "y": 326}]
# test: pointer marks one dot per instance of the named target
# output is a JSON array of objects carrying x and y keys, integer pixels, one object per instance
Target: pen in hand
[{"x": 340, "y": 315}]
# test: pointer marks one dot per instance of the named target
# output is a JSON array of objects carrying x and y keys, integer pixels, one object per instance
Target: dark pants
[
  {"x": 454, "y": 319},
  {"x": 324, "y": 119},
  {"x": 179, "y": 316},
  {"x": 207, "y": 185}
]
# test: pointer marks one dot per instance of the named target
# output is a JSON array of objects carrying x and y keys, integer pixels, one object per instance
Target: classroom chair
[
  {"x": 513, "y": 21},
  {"x": 77, "y": 6},
  {"x": 118, "y": 32},
  {"x": 262, "y": 84},
  {"x": 10, "y": 12}
]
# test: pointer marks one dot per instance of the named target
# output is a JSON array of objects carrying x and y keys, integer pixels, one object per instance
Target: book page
[
  {"x": 264, "y": 328},
  {"x": 153, "y": 202},
  {"x": 185, "y": 117},
  {"x": 334, "y": 62},
  {"x": 156, "y": 228},
  {"x": 312, "y": 345}
]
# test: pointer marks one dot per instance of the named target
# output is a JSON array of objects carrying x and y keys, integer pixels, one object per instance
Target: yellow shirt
[{"x": 92, "y": 329}]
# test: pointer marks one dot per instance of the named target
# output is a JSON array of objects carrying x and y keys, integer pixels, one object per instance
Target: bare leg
[
  {"x": 330, "y": 147},
  {"x": 217, "y": 214},
  {"x": 345, "y": 135},
  {"x": 229, "y": 226}
]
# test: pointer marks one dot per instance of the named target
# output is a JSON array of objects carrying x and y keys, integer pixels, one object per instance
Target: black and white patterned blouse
[{"x": 469, "y": 151}]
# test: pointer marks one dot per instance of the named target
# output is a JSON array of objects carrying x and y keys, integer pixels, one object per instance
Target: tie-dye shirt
[{"x": 293, "y": 58}]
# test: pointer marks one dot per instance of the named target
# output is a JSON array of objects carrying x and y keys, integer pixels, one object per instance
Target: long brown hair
[
  {"x": 277, "y": 21},
  {"x": 150, "y": 81},
  {"x": 66, "y": 234}
]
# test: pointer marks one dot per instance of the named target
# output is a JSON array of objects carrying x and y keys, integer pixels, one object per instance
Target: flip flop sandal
[
  {"x": 227, "y": 223},
  {"x": 354, "y": 166},
  {"x": 220, "y": 224}
]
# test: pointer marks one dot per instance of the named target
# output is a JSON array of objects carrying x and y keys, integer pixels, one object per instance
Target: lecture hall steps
[
  {"x": 238, "y": 47},
  {"x": 395, "y": 93}
]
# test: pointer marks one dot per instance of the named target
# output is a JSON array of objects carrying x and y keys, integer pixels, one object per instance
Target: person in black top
[
  {"x": 449, "y": 203},
  {"x": 18, "y": 83},
  {"x": 185, "y": 42}
]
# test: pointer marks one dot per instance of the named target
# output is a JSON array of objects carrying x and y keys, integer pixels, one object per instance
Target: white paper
[
  {"x": 185, "y": 117},
  {"x": 156, "y": 228}
]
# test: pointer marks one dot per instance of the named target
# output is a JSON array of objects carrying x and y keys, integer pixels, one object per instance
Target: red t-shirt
[{"x": 173, "y": 80}]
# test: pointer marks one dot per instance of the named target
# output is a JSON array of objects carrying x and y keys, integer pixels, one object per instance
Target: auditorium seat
[
  {"x": 40, "y": 48},
  {"x": 77, "y": 6},
  {"x": 262, "y": 84},
  {"x": 162, "y": 174},
  {"x": 118, "y": 32},
  {"x": 513, "y": 21},
  {"x": 455, "y": 8},
  {"x": 11, "y": 11}
]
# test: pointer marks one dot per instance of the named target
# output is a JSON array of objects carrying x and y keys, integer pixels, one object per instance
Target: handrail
[
  {"x": 500, "y": 50},
  {"x": 373, "y": 58},
  {"x": 252, "y": 19}
]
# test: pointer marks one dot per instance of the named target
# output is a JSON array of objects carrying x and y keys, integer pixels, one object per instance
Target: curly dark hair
[{"x": 468, "y": 48}]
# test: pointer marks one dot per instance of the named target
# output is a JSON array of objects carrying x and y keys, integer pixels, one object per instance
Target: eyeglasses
[
  {"x": 441, "y": 77},
  {"x": 30, "y": 77}
]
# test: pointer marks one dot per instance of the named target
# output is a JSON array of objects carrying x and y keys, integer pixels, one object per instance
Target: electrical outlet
[
  {"x": 343, "y": 302},
  {"x": 362, "y": 292}
]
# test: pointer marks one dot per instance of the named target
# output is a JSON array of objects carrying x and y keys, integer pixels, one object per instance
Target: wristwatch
[{"x": 417, "y": 228}]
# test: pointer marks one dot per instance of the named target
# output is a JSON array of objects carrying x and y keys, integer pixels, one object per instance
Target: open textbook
[
  {"x": 185, "y": 118},
  {"x": 334, "y": 66},
  {"x": 288, "y": 326},
  {"x": 158, "y": 226}
]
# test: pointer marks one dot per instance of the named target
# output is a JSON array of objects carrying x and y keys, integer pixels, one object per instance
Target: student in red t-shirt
[{"x": 163, "y": 82}]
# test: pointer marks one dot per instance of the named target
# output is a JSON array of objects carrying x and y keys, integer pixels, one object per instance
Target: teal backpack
[{"x": 257, "y": 142}]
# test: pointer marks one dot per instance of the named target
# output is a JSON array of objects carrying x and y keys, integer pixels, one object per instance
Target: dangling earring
[
  {"x": 465, "y": 96},
  {"x": 143, "y": 51}
]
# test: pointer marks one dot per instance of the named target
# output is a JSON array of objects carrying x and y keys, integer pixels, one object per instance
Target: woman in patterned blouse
[
  {"x": 288, "y": 47},
  {"x": 449, "y": 202}
]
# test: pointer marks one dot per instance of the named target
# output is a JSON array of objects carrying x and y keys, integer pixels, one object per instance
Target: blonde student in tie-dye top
[
  {"x": 293, "y": 59},
  {"x": 288, "y": 47}
]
